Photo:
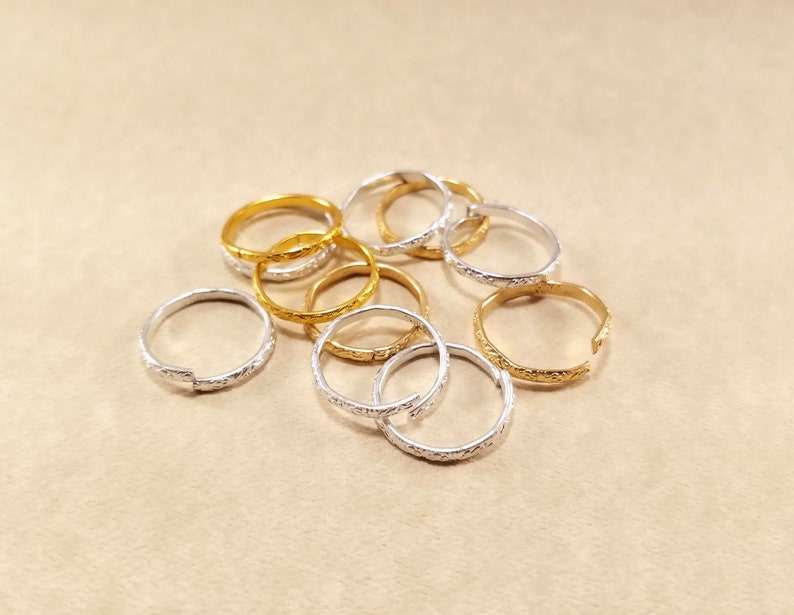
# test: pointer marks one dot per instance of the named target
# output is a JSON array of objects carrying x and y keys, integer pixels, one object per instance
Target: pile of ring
[{"x": 303, "y": 253}]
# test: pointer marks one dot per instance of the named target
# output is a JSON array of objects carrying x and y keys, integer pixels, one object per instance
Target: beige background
[{"x": 654, "y": 137}]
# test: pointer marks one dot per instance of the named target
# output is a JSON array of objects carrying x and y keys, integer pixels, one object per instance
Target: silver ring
[
  {"x": 185, "y": 374},
  {"x": 402, "y": 177},
  {"x": 283, "y": 273},
  {"x": 306, "y": 266},
  {"x": 477, "y": 210},
  {"x": 454, "y": 453},
  {"x": 413, "y": 404}
]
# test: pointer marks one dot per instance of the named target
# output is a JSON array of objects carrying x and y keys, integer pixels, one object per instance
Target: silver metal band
[
  {"x": 275, "y": 272},
  {"x": 402, "y": 177},
  {"x": 186, "y": 374},
  {"x": 478, "y": 210},
  {"x": 280, "y": 273},
  {"x": 454, "y": 453},
  {"x": 413, "y": 404}
]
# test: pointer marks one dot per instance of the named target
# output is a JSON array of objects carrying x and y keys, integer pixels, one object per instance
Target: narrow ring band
[
  {"x": 479, "y": 225},
  {"x": 413, "y": 404},
  {"x": 313, "y": 317},
  {"x": 301, "y": 268},
  {"x": 384, "y": 271},
  {"x": 249, "y": 211},
  {"x": 403, "y": 177},
  {"x": 563, "y": 289},
  {"x": 186, "y": 374},
  {"x": 476, "y": 210},
  {"x": 453, "y": 453}
]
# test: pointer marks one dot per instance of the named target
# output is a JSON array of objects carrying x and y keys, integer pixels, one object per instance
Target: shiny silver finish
[
  {"x": 280, "y": 273},
  {"x": 186, "y": 374},
  {"x": 413, "y": 404},
  {"x": 394, "y": 178},
  {"x": 299, "y": 268},
  {"x": 454, "y": 453},
  {"x": 477, "y": 210}
]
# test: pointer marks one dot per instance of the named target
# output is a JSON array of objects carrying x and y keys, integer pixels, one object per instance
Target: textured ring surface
[
  {"x": 531, "y": 374},
  {"x": 402, "y": 177},
  {"x": 384, "y": 271},
  {"x": 312, "y": 317},
  {"x": 478, "y": 225},
  {"x": 497, "y": 279},
  {"x": 186, "y": 374},
  {"x": 448, "y": 453},
  {"x": 248, "y": 212},
  {"x": 293, "y": 269},
  {"x": 413, "y": 404}
]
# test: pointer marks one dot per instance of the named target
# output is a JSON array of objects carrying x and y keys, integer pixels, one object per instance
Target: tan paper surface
[{"x": 655, "y": 138}]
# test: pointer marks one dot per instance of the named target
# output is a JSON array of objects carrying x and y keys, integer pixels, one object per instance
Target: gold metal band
[
  {"x": 563, "y": 289},
  {"x": 480, "y": 225},
  {"x": 385, "y": 271},
  {"x": 274, "y": 254},
  {"x": 311, "y": 317}
]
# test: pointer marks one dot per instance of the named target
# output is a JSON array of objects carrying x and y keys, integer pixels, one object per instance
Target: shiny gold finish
[
  {"x": 250, "y": 211},
  {"x": 385, "y": 271},
  {"x": 310, "y": 317},
  {"x": 563, "y": 289},
  {"x": 480, "y": 225}
]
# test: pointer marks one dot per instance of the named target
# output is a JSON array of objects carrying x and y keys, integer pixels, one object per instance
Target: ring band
[
  {"x": 563, "y": 289},
  {"x": 301, "y": 268},
  {"x": 402, "y": 177},
  {"x": 454, "y": 453},
  {"x": 249, "y": 211},
  {"x": 413, "y": 404},
  {"x": 479, "y": 224},
  {"x": 384, "y": 271},
  {"x": 476, "y": 210},
  {"x": 313, "y": 317},
  {"x": 185, "y": 374}
]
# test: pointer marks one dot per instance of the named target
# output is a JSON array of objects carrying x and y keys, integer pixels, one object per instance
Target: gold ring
[
  {"x": 385, "y": 271},
  {"x": 247, "y": 212},
  {"x": 479, "y": 224},
  {"x": 309, "y": 317},
  {"x": 563, "y": 289}
]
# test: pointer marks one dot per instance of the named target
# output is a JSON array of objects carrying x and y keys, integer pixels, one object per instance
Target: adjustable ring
[
  {"x": 479, "y": 225},
  {"x": 309, "y": 317},
  {"x": 413, "y": 404},
  {"x": 477, "y": 210},
  {"x": 563, "y": 289},
  {"x": 452, "y": 453},
  {"x": 249, "y": 211},
  {"x": 302, "y": 268},
  {"x": 185, "y": 374},
  {"x": 403, "y": 177},
  {"x": 384, "y": 271}
]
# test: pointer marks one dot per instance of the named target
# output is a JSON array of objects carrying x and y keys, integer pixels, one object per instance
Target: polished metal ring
[
  {"x": 303, "y": 267},
  {"x": 395, "y": 178},
  {"x": 449, "y": 453},
  {"x": 477, "y": 210},
  {"x": 413, "y": 404},
  {"x": 186, "y": 374}
]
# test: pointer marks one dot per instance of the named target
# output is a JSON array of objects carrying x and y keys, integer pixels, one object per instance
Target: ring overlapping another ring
[
  {"x": 475, "y": 211},
  {"x": 290, "y": 270},
  {"x": 563, "y": 289},
  {"x": 248, "y": 212},
  {"x": 372, "y": 184},
  {"x": 384, "y": 271},
  {"x": 414, "y": 404},
  {"x": 479, "y": 224},
  {"x": 312, "y": 317},
  {"x": 452, "y": 453},
  {"x": 186, "y": 374}
]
